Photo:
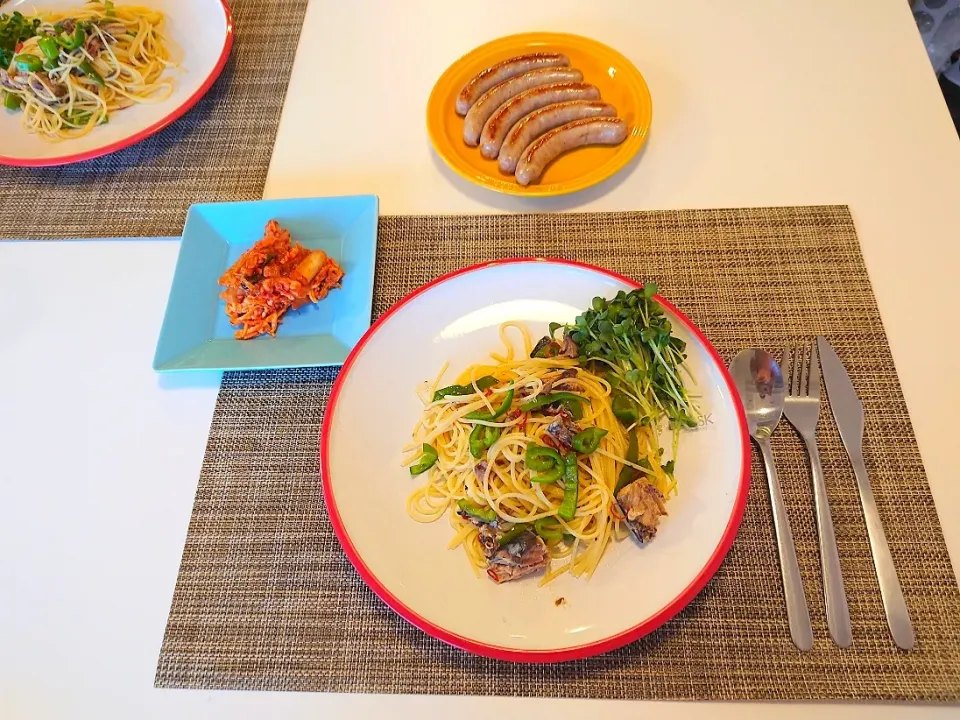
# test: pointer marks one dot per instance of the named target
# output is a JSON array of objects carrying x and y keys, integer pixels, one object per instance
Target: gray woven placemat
[
  {"x": 266, "y": 600},
  {"x": 218, "y": 151}
]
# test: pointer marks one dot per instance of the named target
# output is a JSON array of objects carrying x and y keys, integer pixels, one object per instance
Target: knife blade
[
  {"x": 848, "y": 412},
  {"x": 844, "y": 401}
]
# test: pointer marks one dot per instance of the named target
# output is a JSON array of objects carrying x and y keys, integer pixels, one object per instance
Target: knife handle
[
  {"x": 834, "y": 596},
  {"x": 895, "y": 607},
  {"x": 798, "y": 615}
]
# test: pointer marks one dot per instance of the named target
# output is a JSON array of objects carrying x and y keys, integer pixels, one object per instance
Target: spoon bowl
[{"x": 759, "y": 381}]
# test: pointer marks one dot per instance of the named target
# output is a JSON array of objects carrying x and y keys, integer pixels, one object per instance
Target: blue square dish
[{"x": 196, "y": 334}]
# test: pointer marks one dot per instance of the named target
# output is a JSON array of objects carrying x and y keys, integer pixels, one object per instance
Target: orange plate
[{"x": 619, "y": 82}]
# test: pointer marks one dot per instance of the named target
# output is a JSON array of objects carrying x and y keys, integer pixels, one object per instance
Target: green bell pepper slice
[
  {"x": 483, "y": 383},
  {"x": 541, "y": 458},
  {"x": 512, "y": 534},
  {"x": 481, "y": 438},
  {"x": 587, "y": 441},
  {"x": 571, "y": 401},
  {"x": 427, "y": 460},
  {"x": 11, "y": 101},
  {"x": 87, "y": 69},
  {"x": 571, "y": 480},
  {"x": 497, "y": 414},
  {"x": 71, "y": 42},
  {"x": 625, "y": 409},
  {"x": 49, "y": 47},
  {"x": 548, "y": 529},
  {"x": 488, "y": 515},
  {"x": 550, "y": 476},
  {"x": 628, "y": 474},
  {"x": 28, "y": 62}
]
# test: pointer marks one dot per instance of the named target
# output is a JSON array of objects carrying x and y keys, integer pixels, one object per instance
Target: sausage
[
  {"x": 529, "y": 128},
  {"x": 496, "y": 96},
  {"x": 505, "y": 70},
  {"x": 545, "y": 149},
  {"x": 507, "y": 115}
]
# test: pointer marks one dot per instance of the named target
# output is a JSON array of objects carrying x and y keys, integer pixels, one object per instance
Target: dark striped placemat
[
  {"x": 219, "y": 151},
  {"x": 266, "y": 600}
]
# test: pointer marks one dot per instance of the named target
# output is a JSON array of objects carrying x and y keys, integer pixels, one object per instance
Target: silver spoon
[{"x": 760, "y": 384}]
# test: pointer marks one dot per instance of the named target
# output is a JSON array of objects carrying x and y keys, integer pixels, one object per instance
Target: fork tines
[{"x": 801, "y": 371}]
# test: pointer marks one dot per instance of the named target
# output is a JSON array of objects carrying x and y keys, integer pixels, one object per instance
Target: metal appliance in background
[{"x": 939, "y": 25}]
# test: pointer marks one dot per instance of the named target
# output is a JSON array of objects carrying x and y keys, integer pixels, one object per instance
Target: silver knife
[{"x": 848, "y": 412}]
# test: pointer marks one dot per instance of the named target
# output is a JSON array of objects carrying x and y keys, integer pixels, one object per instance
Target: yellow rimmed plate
[{"x": 619, "y": 82}]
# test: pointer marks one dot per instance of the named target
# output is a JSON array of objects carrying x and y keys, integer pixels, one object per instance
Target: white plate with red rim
[
  {"x": 372, "y": 412},
  {"x": 201, "y": 33}
]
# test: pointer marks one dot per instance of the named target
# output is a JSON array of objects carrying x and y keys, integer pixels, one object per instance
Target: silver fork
[{"x": 801, "y": 374}]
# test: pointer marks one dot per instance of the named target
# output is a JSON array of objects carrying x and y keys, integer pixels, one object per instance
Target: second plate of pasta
[
  {"x": 83, "y": 79},
  {"x": 501, "y": 479}
]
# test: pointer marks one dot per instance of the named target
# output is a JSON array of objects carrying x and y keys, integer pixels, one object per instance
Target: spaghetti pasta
[
  {"x": 79, "y": 67},
  {"x": 500, "y": 503}
]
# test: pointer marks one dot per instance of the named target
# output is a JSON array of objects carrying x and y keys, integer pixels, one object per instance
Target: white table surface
[{"x": 777, "y": 102}]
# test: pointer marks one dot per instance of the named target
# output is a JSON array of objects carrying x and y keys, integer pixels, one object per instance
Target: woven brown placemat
[
  {"x": 219, "y": 151},
  {"x": 266, "y": 600}
]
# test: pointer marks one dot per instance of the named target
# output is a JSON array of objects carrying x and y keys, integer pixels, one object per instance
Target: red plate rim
[
  {"x": 536, "y": 656},
  {"x": 179, "y": 112}
]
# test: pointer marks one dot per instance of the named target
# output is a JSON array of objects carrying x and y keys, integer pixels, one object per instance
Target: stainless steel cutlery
[
  {"x": 795, "y": 393},
  {"x": 760, "y": 384},
  {"x": 848, "y": 412},
  {"x": 801, "y": 371}
]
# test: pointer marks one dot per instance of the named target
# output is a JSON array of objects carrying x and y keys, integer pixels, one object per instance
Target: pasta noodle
[
  {"x": 85, "y": 64},
  {"x": 501, "y": 480}
]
